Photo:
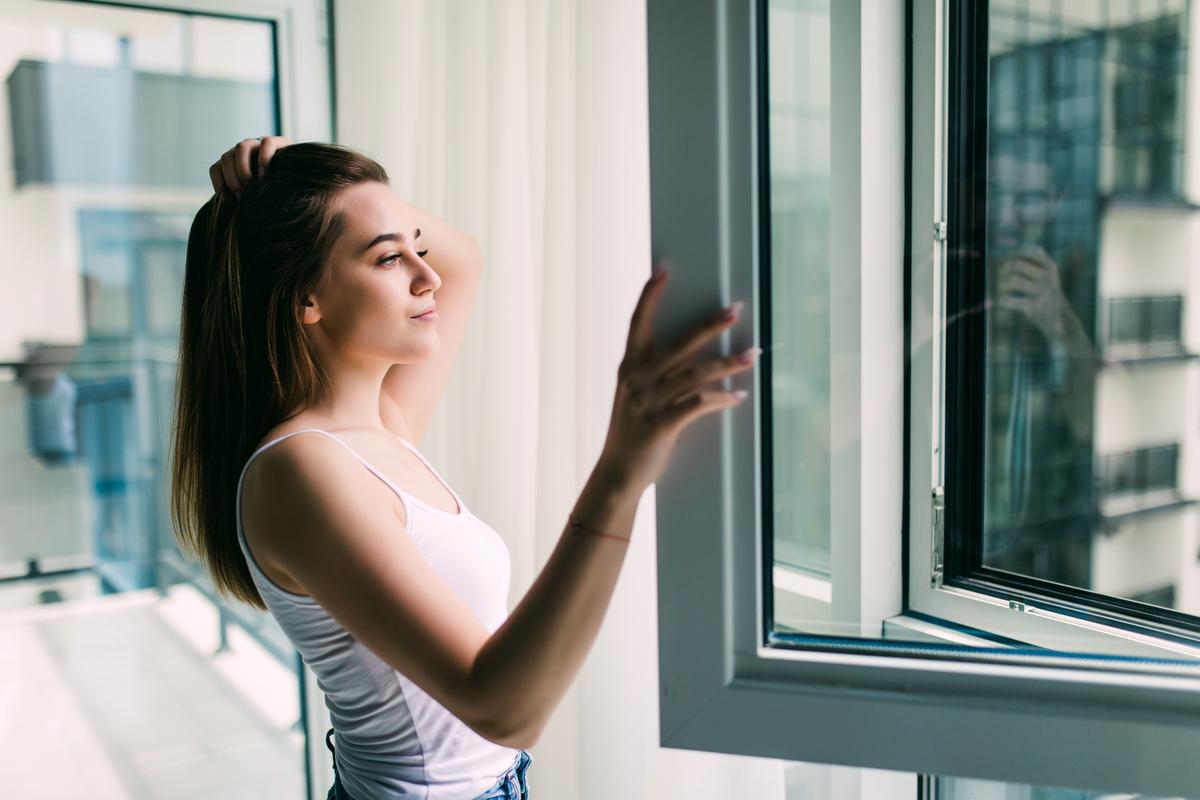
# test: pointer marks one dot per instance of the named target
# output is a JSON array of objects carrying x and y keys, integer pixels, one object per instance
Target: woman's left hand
[{"x": 232, "y": 171}]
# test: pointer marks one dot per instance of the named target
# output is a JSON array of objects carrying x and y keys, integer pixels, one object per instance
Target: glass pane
[
  {"x": 117, "y": 645},
  {"x": 798, "y": 53},
  {"x": 1091, "y": 446},
  {"x": 1091, "y": 443}
]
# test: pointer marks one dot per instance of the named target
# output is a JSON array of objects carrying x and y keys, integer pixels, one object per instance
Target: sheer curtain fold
[{"x": 524, "y": 122}]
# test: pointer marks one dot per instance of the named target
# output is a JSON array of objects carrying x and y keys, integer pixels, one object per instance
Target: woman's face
[{"x": 377, "y": 281}]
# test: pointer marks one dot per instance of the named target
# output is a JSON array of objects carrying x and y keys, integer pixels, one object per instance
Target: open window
[{"x": 952, "y": 531}]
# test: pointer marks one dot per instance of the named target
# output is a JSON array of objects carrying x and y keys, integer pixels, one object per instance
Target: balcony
[
  {"x": 1139, "y": 482},
  {"x": 1145, "y": 329}
]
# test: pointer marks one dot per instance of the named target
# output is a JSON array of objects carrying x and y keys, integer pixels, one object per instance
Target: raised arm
[{"x": 411, "y": 392}]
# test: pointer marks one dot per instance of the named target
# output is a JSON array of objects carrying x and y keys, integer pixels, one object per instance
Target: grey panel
[{"x": 81, "y": 124}]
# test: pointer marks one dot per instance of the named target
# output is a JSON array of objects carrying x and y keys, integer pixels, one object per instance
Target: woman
[{"x": 305, "y": 379}]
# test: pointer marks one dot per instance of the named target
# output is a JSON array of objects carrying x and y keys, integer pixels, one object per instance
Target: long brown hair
[{"x": 245, "y": 362}]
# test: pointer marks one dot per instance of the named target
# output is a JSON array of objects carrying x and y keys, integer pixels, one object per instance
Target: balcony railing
[{"x": 1139, "y": 481}]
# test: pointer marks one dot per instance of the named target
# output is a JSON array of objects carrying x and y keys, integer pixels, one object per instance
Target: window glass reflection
[{"x": 1091, "y": 439}]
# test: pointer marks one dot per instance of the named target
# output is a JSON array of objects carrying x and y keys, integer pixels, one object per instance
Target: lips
[{"x": 423, "y": 313}]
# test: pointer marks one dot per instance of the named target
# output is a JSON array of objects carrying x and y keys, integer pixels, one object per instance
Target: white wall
[{"x": 1146, "y": 552}]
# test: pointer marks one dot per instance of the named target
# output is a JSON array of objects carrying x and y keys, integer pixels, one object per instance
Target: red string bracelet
[{"x": 576, "y": 525}]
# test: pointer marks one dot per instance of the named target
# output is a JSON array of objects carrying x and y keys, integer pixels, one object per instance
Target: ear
[{"x": 311, "y": 312}]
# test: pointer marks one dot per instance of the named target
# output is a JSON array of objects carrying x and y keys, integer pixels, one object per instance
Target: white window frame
[
  {"x": 302, "y": 53},
  {"x": 1062, "y": 723},
  {"x": 305, "y": 114}
]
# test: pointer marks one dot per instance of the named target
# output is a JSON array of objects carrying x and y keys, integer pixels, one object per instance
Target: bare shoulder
[
  {"x": 295, "y": 456},
  {"x": 307, "y": 476}
]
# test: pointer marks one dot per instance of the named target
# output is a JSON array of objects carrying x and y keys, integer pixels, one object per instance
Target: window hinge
[
  {"x": 939, "y": 231},
  {"x": 939, "y": 528}
]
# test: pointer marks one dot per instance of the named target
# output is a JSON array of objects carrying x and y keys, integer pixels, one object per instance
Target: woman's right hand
[
  {"x": 235, "y": 168},
  {"x": 658, "y": 395}
]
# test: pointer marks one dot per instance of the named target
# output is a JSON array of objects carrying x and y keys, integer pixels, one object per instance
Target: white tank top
[{"x": 393, "y": 740}]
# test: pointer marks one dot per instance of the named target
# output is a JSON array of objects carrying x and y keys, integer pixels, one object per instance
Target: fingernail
[
  {"x": 748, "y": 356},
  {"x": 740, "y": 394},
  {"x": 730, "y": 311}
]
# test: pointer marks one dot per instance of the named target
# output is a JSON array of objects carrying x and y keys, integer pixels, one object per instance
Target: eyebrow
[{"x": 389, "y": 237}]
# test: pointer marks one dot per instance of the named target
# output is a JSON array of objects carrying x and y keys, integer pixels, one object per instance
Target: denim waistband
[{"x": 512, "y": 785}]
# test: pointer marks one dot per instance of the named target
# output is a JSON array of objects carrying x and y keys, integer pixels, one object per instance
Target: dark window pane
[{"x": 1088, "y": 259}]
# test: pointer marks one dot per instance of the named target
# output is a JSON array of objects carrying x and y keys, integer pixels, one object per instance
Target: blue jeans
[{"x": 510, "y": 786}]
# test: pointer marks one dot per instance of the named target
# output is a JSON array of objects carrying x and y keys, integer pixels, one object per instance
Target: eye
[{"x": 392, "y": 258}]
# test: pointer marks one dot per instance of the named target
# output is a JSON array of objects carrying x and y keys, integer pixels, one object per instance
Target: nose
[{"x": 430, "y": 274}]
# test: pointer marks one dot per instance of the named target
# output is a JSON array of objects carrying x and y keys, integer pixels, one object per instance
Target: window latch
[
  {"x": 939, "y": 528},
  {"x": 939, "y": 231}
]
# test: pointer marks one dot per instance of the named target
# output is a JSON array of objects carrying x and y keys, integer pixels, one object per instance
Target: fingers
[
  {"x": 638, "y": 345},
  {"x": 691, "y": 406},
  {"x": 1013, "y": 303},
  {"x": 1023, "y": 267},
  {"x": 638, "y": 348},
  {"x": 697, "y": 338},
  {"x": 687, "y": 378},
  {"x": 235, "y": 169},
  {"x": 230, "y": 173},
  {"x": 1038, "y": 256},
  {"x": 266, "y": 151},
  {"x": 1016, "y": 282},
  {"x": 241, "y": 160}
]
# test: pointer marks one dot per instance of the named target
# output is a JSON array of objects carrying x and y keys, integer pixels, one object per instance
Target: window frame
[
  {"x": 302, "y": 46},
  {"x": 877, "y": 704}
]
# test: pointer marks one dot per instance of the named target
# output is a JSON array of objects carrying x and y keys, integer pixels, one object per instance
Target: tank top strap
[
  {"x": 288, "y": 435},
  {"x": 374, "y": 471},
  {"x": 413, "y": 449},
  {"x": 337, "y": 439}
]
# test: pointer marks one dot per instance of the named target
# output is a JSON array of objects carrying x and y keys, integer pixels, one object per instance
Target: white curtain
[{"x": 524, "y": 122}]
